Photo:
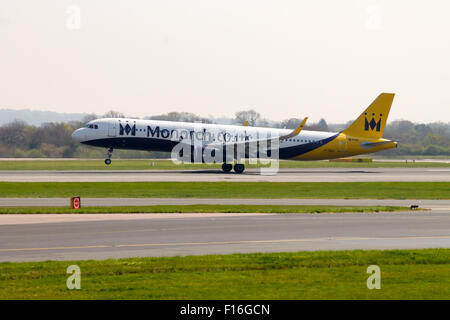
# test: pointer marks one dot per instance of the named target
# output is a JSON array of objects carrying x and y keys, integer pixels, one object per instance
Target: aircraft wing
[
  {"x": 296, "y": 131},
  {"x": 265, "y": 140}
]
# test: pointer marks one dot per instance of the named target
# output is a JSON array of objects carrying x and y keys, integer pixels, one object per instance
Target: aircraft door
[
  {"x": 112, "y": 128},
  {"x": 342, "y": 143}
]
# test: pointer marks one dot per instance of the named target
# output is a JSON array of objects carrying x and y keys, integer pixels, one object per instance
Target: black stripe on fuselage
[
  {"x": 153, "y": 144},
  {"x": 297, "y": 150},
  {"x": 133, "y": 143}
]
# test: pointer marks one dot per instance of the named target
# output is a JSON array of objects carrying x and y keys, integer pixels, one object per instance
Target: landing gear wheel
[
  {"x": 226, "y": 167},
  {"x": 239, "y": 168},
  {"x": 108, "y": 158}
]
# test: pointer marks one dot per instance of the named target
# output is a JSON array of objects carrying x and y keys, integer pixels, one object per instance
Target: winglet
[
  {"x": 296, "y": 131},
  {"x": 245, "y": 123},
  {"x": 300, "y": 127}
]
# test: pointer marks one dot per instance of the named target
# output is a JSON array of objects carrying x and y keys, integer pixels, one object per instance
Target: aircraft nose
[{"x": 77, "y": 135}]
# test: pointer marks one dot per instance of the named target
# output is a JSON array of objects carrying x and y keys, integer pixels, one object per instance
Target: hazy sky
[{"x": 282, "y": 58}]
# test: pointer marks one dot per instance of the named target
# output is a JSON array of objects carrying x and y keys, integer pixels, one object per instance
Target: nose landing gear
[{"x": 108, "y": 159}]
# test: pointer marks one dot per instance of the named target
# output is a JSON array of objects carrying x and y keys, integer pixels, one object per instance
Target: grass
[
  {"x": 333, "y": 190},
  {"x": 405, "y": 274},
  {"x": 169, "y": 165},
  {"x": 200, "y": 208}
]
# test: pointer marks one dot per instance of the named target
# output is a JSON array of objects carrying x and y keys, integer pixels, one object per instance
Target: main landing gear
[
  {"x": 226, "y": 167},
  {"x": 108, "y": 159},
  {"x": 238, "y": 167}
]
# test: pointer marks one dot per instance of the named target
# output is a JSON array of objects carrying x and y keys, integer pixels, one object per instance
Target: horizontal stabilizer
[{"x": 369, "y": 145}]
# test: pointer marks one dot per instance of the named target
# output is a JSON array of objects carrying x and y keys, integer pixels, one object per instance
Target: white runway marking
[{"x": 209, "y": 243}]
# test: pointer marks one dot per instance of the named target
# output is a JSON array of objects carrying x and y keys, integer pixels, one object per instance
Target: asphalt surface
[
  {"x": 101, "y": 236},
  {"x": 283, "y": 175},
  {"x": 102, "y": 202},
  {"x": 197, "y": 234}
]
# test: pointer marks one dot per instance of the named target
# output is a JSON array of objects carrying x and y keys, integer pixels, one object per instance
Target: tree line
[{"x": 53, "y": 140}]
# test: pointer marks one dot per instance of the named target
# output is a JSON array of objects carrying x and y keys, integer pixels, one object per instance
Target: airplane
[{"x": 363, "y": 136}]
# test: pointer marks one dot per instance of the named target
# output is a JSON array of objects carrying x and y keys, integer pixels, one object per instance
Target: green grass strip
[
  {"x": 118, "y": 164},
  {"x": 405, "y": 274},
  {"x": 206, "y": 208},
  {"x": 349, "y": 190}
]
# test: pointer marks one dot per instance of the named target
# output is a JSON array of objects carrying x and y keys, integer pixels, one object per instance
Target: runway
[
  {"x": 101, "y": 236},
  {"x": 120, "y": 236},
  {"x": 211, "y": 175}
]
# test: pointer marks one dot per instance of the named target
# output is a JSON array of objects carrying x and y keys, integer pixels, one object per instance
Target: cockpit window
[{"x": 91, "y": 126}]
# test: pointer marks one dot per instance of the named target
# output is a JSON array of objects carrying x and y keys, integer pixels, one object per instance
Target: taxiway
[
  {"x": 211, "y": 175},
  {"x": 140, "y": 235}
]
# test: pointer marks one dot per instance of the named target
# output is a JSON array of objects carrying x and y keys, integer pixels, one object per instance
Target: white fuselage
[{"x": 155, "y": 135}]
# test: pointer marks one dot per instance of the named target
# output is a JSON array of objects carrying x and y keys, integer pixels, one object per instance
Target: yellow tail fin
[{"x": 371, "y": 123}]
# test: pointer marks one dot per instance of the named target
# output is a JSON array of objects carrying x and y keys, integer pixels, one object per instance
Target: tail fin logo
[{"x": 373, "y": 124}]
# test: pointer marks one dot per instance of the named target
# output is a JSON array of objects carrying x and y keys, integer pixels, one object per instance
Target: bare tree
[
  {"x": 180, "y": 117},
  {"x": 91, "y": 116},
  {"x": 291, "y": 123},
  {"x": 248, "y": 115},
  {"x": 113, "y": 114},
  {"x": 12, "y": 134}
]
